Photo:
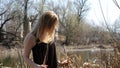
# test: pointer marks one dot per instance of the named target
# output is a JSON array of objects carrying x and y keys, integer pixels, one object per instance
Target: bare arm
[{"x": 28, "y": 44}]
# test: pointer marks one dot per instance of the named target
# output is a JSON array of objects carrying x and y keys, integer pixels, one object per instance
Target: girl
[{"x": 41, "y": 42}]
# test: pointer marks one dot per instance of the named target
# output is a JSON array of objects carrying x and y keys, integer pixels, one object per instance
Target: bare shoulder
[{"x": 29, "y": 40}]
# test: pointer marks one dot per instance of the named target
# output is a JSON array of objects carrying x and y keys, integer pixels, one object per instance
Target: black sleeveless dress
[{"x": 39, "y": 53}]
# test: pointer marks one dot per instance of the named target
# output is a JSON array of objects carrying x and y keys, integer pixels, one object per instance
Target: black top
[{"x": 39, "y": 53}]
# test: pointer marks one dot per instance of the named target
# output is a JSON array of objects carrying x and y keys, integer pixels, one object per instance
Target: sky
[
  {"x": 94, "y": 15},
  {"x": 111, "y": 12}
]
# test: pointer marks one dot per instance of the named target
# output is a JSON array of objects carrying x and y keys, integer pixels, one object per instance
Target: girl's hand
[
  {"x": 40, "y": 66},
  {"x": 43, "y": 66},
  {"x": 64, "y": 63}
]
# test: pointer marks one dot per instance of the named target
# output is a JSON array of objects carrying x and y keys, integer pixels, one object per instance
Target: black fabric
[{"x": 39, "y": 52}]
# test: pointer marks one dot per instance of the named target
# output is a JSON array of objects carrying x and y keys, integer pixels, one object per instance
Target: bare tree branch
[
  {"x": 116, "y": 3},
  {"x": 3, "y": 13},
  {"x": 104, "y": 16},
  {"x": 6, "y": 9},
  {"x": 81, "y": 8},
  {"x": 111, "y": 32},
  {"x": 5, "y": 22}
]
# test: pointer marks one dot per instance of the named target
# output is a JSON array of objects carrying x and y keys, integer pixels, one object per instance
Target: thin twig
[{"x": 116, "y": 3}]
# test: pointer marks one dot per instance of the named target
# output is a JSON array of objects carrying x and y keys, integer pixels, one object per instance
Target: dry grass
[{"x": 12, "y": 58}]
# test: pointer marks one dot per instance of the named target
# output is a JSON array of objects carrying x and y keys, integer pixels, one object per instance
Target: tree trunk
[
  {"x": 25, "y": 19},
  {"x": 1, "y": 35}
]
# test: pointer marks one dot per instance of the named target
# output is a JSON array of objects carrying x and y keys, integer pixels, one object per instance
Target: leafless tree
[
  {"x": 70, "y": 13},
  {"x": 81, "y": 8},
  {"x": 4, "y": 19}
]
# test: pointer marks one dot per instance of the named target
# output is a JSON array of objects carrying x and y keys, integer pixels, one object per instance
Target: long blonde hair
[{"x": 46, "y": 23}]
